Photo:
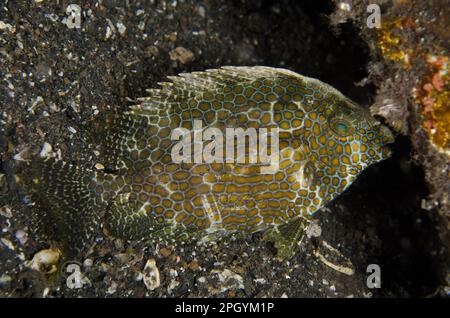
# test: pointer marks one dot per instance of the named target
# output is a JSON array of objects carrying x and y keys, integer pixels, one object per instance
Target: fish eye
[{"x": 341, "y": 127}]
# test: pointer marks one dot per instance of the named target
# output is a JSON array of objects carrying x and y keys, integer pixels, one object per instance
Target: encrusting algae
[
  {"x": 434, "y": 98},
  {"x": 141, "y": 192},
  {"x": 433, "y": 93},
  {"x": 390, "y": 42}
]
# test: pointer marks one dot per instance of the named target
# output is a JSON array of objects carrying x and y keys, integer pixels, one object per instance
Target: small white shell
[
  {"x": 151, "y": 275},
  {"x": 46, "y": 261},
  {"x": 46, "y": 151}
]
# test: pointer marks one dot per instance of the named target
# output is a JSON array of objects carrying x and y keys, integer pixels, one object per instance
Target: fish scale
[{"x": 325, "y": 141}]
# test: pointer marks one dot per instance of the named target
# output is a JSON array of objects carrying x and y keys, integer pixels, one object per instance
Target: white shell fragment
[
  {"x": 228, "y": 280},
  {"x": 22, "y": 236},
  {"x": 151, "y": 275},
  {"x": 121, "y": 27},
  {"x": 345, "y": 266},
  {"x": 99, "y": 166},
  {"x": 46, "y": 151},
  {"x": 46, "y": 261},
  {"x": 313, "y": 230}
]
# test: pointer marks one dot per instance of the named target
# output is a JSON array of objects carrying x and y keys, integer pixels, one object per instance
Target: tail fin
[{"x": 65, "y": 205}]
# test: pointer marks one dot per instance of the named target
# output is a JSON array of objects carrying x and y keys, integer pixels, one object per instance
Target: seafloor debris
[
  {"x": 340, "y": 263},
  {"x": 151, "y": 275},
  {"x": 182, "y": 55},
  {"x": 227, "y": 280},
  {"x": 46, "y": 261}
]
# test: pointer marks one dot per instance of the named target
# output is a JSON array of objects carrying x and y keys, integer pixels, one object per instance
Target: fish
[{"x": 317, "y": 142}]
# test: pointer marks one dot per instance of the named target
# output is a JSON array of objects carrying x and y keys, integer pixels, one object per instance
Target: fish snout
[{"x": 387, "y": 137}]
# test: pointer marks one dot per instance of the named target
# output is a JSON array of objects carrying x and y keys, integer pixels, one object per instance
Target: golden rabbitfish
[{"x": 140, "y": 192}]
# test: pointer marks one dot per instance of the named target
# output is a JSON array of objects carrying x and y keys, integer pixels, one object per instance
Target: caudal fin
[{"x": 63, "y": 201}]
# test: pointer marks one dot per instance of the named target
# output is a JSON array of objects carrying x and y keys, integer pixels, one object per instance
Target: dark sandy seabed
[{"x": 55, "y": 79}]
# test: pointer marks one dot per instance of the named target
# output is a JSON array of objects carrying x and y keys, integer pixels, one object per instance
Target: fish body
[{"x": 143, "y": 192}]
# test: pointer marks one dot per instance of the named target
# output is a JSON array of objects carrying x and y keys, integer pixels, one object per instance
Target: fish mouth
[
  {"x": 386, "y": 151},
  {"x": 387, "y": 139},
  {"x": 386, "y": 135}
]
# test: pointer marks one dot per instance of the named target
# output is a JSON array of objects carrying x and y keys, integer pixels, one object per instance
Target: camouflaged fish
[{"x": 138, "y": 190}]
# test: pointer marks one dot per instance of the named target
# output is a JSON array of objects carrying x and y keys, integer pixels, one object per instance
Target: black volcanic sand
[{"x": 52, "y": 76}]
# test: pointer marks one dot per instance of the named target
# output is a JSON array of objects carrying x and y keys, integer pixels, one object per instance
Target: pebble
[
  {"x": 193, "y": 265},
  {"x": 4, "y": 26},
  {"x": 121, "y": 28},
  {"x": 123, "y": 258},
  {"x": 46, "y": 150},
  {"x": 88, "y": 263},
  {"x": 229, "y": 280},
  {"x": 344, "y": 6},
  {"x": 112, "y": 289},
  {"x": 99, "y": 166},
  {"x": 72, "y": 130},
  {"x": 182, "y": 55},
  {"x": 22, "y": 236},
  {"x": 313, "y": 230},
  {"x": 151, "y": 275},
  {"x": 201, "y": 280},
  {"x": 45, "y": 261},
  {"x": 109, "y": 32},
  {"x": 8, "y": 243},
  {"x": 261, "y": 281},
  {"x": 165, "y": 252},
  {"x": 5, "y": 280},
  {"x": 6, "y": 212},
  {"x": 201, "y": 11}
]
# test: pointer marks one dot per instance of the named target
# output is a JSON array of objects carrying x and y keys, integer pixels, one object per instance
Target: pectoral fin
[{"x": 286, "y": 237}]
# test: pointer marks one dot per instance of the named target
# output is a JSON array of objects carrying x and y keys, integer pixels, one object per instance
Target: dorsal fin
[
  {"x": 188, "y": 85},
  {"x": 119, "y": 130}
]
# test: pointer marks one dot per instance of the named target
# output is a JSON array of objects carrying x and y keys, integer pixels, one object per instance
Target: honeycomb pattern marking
[{"x": 326, "y": 140}]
